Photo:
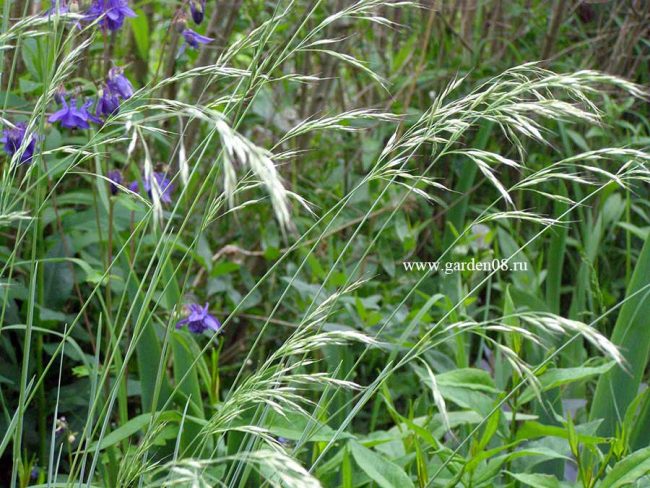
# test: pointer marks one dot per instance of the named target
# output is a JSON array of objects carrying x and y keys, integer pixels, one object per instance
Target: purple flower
[
  {"x": 133, "y": 186},
  {"x": 116, "y": 179},
  {"x": 119, "y": 84},
  {"x": 107, "y": 104},
  {"x": 199, "y": 320},
  {"x": 73, "y": 116},
  {"x": 60, "y": 9},
  {"x": 64, "y": 8},
  {"x": 60, "y": 94},
  {"x": 14, "y": 138},
  {"x": 110, "y": 12},
  {"x": 164, "y": 184},
  {"x": 193, "y": 39},
  {"x": 197, "y": 7}
]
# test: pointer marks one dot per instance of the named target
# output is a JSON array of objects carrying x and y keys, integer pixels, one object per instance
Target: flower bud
[
  {"x": 180, "y": 21},
  {"x": 197, "y": 7}
]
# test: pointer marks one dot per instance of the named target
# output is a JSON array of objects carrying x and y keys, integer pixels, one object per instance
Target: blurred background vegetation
[{"x": 335, "y": 365}]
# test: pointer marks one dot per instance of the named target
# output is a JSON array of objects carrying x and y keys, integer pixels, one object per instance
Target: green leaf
[
  {"x": 510, "y": 319},
  {"x": 617, "y": 388},
  {"x": 533, "y": 430},
  {"x": 28, "y": 86},
  {"x": 537, "y": 480},
  {"x": 382, "y": 471},
  {"x": 296, "y": 426},
  {"x": 628, "y": 470},
  {"x": 555, "y": 377},
  {"x": 31, "y": 55},
  {"x": 123, "y": 432},
  {"x": 140, "y": 26},
  {"x": 139, "y": 423},
  {"x": 640, "y": 232},
  {"x": 491, "y": 428},
  {"x": 59, "y": 275},
  {"x": 469, "y": 378}
]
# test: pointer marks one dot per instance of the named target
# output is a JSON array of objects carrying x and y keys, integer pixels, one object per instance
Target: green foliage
[{"x": 427, "y": 253}]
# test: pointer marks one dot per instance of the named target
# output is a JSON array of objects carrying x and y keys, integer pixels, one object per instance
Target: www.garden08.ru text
[{"x": 459, "y": 266}]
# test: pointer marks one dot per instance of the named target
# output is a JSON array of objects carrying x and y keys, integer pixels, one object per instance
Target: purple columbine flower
[
  {"x": 60, "y": 9},
  {"x": 13, "y": 139},
  {"x": 199, "y": 320},
  {"x": 110, "y": 12},
  {"x": 197, "y": 7},
  {"x": 163, "y": 183},
  {"x": 119, "y": 84},
  {"x": 60, "y": 94},
  {"x": 193, "y": 39},
  {"x": 116, "y": 179},
  {"x": 73, "y": 116},
  {"x": 107, "y": 103},
  {"x": 63, "y": 8}
]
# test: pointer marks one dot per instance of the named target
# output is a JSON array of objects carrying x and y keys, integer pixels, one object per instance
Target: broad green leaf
[
  {"x": 628, "y": 470},
  {"x": 514, "y": 340},
  {"x": 139, "y": 423},
  {"x": 466, "y": 387},
  {"x": 555, "y": 377},
  {"x": 382, "y": 471},
  {"x": 537, "y": 480},
  {"x": 494, "y": 465},
  {"x": 28, "y": 86},
  {"x": 532, "y": 430},
  {"x": 31, "y": 53},
  {"x": 123, "y": 432},
  {"x": 640, "y": 232},
  {"x": 617, "y": 388},
  {"x": 59, "y": 275},
  {"x": 140, "y": 26},
  {"x": 296, "y": 426},
  {"x": 470, "y": 378}
]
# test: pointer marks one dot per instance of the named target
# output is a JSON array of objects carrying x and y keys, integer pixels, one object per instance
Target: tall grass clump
[{"x": 213, "y": 228}]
